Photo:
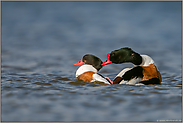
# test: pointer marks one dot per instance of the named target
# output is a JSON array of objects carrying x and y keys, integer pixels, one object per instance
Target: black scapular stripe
[
  {"x": 133, "y": 73},
  {"x": 151, "y": 81},
  {"x": 104, "y": 78}
]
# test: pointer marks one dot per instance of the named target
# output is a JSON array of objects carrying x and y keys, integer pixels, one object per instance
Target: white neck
[
  {"x": 85, "y": 68},
  {"x": 146, "y": 60}
]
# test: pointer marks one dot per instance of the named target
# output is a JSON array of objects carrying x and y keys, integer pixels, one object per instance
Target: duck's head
[
  {"x": 91, "y": 60},
  {"x": 123, "y": 55}
]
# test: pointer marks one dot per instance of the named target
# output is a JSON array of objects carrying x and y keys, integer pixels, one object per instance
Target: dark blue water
[{"x": 42, "y": 40}]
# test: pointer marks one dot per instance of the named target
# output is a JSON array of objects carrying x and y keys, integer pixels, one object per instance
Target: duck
[
  {"x": 144, "y": 71},
  {"x": 88, "y": 72}
]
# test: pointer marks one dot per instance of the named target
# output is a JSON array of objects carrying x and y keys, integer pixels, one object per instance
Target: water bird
[
  {"x": 88, "y": 72},
  {"x": 144, "y": 71}
]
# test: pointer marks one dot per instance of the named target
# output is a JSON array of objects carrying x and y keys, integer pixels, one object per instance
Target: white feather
[
  {"x": 99, "y": 78},
  {"x": 123, "y": 72},
  {"x": 133, "y": 81},
  {"x": 85, "y": 68},
  {"x": 146, "y": 61}
]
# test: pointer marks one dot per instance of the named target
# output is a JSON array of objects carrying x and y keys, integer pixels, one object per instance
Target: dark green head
[
  {"x": 123, "y": 55},
  {"x": 91, "y": 60}
]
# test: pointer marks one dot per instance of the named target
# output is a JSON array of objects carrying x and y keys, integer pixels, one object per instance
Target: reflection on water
[{"x": 42, "y": 40}]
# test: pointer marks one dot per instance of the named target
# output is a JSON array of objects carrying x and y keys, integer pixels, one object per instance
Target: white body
[
  {"x": 85, "y": 68},
  {"x": 96, "y": 77},
  {"x": 146, "y": 61}
]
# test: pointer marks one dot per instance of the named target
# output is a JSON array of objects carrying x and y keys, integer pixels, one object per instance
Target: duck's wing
[
  {"x": 119, "y": 78},
  {"x": 129, "y": 76},
  {"x": 99, "y": 77}
]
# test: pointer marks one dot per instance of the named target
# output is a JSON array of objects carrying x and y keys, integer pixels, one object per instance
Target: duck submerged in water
[
  {"x": 88, "y": 72},
  {"x": 144, "y": 71}
]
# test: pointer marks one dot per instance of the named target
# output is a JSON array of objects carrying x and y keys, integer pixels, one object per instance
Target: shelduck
[
  {"x": 88, "y": 72},
  {"x": 144, "y": 71}
]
